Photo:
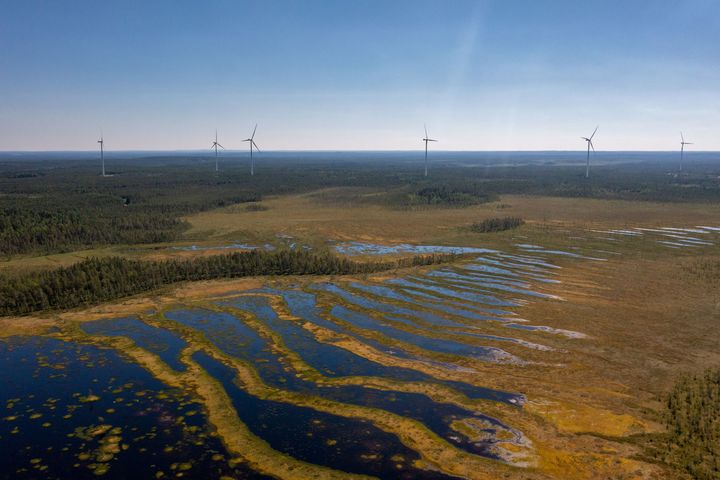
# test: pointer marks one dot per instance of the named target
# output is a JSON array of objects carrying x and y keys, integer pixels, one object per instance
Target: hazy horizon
[{"x": 439, "y": 150}]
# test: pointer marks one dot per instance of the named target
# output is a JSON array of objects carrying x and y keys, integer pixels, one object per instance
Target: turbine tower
[
  {"x": 682, "y": 149},
  {"x": 589, "y": 146},
  {"x": 252, "y": 144},
  {"x": 102, "y": 153},
  {"x": 426, "y": 140},
  {"x": 215, "y": 146}
]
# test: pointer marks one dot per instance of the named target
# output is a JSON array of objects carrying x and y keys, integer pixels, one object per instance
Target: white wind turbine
[
  {"x": 215, "y": 146},
  {"x": 426, "y": 140},
  {"x": 252, "y": 145},
  {"x": 682, "y": 149},
  {"x": 589, "y": 145},
  {"x": 102, "y": 153}
]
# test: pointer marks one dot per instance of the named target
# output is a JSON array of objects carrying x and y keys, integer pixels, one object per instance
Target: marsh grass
[
  {"x": 256, "y": 207},
  {"x": 707, "y": 269}
]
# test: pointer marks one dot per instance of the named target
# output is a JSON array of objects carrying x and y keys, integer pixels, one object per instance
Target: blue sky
[{"x": 359, "y": 75}]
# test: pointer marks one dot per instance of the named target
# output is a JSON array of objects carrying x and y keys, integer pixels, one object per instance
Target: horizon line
[{"x": 347, "y": 151}]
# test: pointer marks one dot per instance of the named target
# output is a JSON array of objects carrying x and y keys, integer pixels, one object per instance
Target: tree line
[{"x": 98, "y": 280}]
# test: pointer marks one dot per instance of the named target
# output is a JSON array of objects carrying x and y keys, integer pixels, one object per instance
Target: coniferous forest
[
  {"x": 51, "y": 206},
  {"x": 691, "y": 442},
  {"x": 98, "y": 280}
]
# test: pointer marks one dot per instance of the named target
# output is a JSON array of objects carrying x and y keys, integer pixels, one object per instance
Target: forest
[
  {"x": 98, "y": 280},
  {"x": 59, "y": 205},
  {"x": 691, "y": 413}
]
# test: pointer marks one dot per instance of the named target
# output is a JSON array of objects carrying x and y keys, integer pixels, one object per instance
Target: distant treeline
[
  {"x": 449, "y": 195},
  {"x": 496, "y": 224},
  {"x": 692, "y": 417},
  {"x": 99, "y": 280},
  {"x": 59, "y": 229},
  {"x": 50, "y": 206},
  {"x": 54, "y": 213}
]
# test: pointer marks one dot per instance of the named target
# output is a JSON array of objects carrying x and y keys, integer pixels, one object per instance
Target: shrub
[{"x": 496, "y": 224}]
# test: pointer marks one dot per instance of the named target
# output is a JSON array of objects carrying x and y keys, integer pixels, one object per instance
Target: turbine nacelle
[{"x": 252, "y": 144}]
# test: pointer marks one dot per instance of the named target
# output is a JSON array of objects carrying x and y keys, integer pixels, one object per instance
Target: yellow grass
[{"x": 303, "y": 216}]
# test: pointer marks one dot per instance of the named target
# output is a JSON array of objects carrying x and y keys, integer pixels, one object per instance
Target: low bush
[{"x": 498, "y": 224}]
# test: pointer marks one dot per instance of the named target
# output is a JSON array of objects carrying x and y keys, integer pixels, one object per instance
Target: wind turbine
[
  {"x": 252, "y": 144},
  {"x": 102, "y": 153},
  {"x": 682, "y": 149},
  {"x": 426, "y": 140},
  {"x": 589, "y": 145},
  {"x": 215, "y": 146}
]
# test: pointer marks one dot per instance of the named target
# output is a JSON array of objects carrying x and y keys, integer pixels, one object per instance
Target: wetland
[{"x": 365, "y": 349}]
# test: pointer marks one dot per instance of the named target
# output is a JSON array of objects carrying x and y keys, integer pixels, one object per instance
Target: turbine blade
[
  {"x": 682, "y": 139},
  {"x": 592, "y": 146},
  {"x": 252, "y": 143},
  {"x": 594, "y": 132},
  {"x": 426, "y": 135},
  {"x": 254, "y": 130},
  {"x": 221, "y": 146}
]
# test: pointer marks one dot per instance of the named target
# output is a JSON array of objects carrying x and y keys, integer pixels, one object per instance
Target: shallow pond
[
  {"x": 350, "y": 445},
  {"x": 362, "y": 248},
  {"x": 388, "y": 308},
  {"x": 304, "y": 305},
  {"x": 232, "y": 336},
  {"x": 159, "y": 341},
  {"x": 78, "y": 411},
  {"x": 480, "y": 298},
  {"x": 335, "y": 362},
  {"x": 483, "y": 284},
  {"x": 439, "y": 345},
  {"x": 383, "y": 291}
]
